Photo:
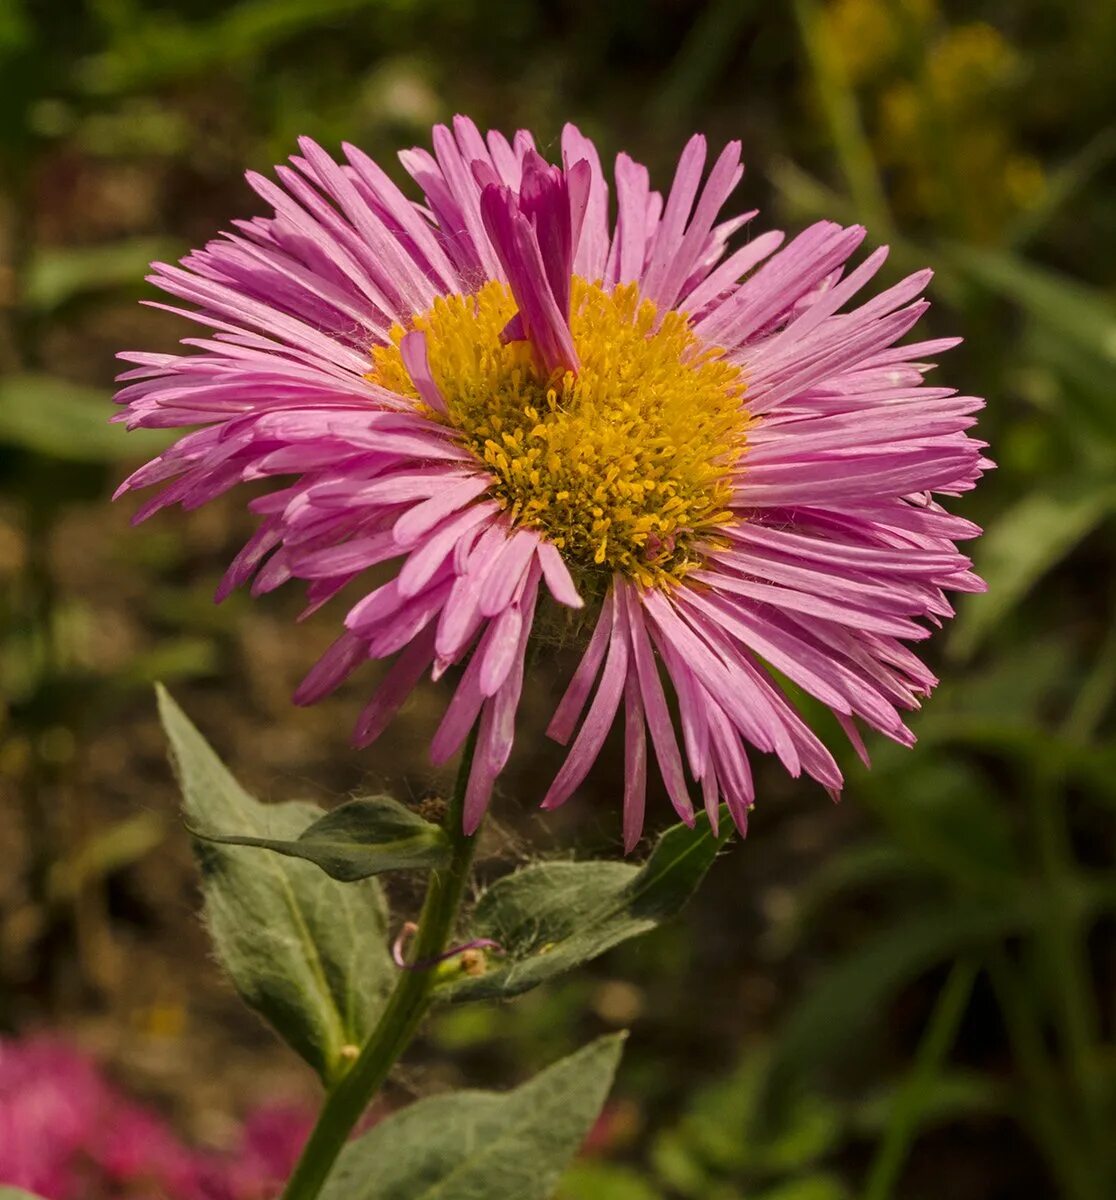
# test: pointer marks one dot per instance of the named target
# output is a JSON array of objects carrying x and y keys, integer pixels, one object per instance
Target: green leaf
[
  {"x": 361, "y": 838},
  {"x": 59, "y": 274},
  {"x": 116, "y": 846},
  {"x": 9, "y": 1193},
  {"x": 826, "y": 1021},
  {"x": 1065, "y": 183},
  {"x": 942, "y": 815},
  {"x": 156, "y": 50},
  {"x": 1082, "y": 316},
  {"x": 308, "y": 954},
  {"x": 717, "y": 1136},
  {"x": 953, "y": 1095},
  {"x": 819, "y": 1186},
  {"x": 1023, "y": 545},
  {"x": 605, "y": 1181},
  {"x": 554, "y": 916},
  {"x": 472, "y": 1145},
  {"x": 871, "y": 864},
  {"x": 68, "y": 421}
]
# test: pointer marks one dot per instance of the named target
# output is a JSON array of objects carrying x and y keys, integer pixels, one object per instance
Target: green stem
[
  {"x": 703, "y": 55},
  {"x": 912, "y": 1099},
  {"x": 405, "y": 1009},
  {"x": 1095, "y": 695},
  {"x": 1042, "y": 1098},
  {"x": 842, "y": 115},
  {"x": 1063, "y": 939}
]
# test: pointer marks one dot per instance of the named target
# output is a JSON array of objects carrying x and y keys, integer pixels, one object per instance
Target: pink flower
[
  {"x": 66, "y": 1133},
  {"x": 64, "y": 1130},
  {"x": 270, "y": 1145},
  {"x": 136, "y": 1152},
  {"x": 50, "y": 1097},
  {"x": 721, "y": 454}
]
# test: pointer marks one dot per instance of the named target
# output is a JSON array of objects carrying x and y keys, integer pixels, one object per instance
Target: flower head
[{"x": 520, "y": 399}]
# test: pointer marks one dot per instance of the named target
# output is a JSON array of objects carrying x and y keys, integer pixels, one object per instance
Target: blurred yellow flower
[
  {"x": 967, "y": 65},
  {"x": 937, "y": 100},
  {"x": 868, "y": 34}
]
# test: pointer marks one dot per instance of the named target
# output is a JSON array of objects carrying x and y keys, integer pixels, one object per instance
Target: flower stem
[{"x": 405, "y": 1009}]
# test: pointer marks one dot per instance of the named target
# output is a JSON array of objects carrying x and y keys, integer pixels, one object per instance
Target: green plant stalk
[
  {"x": 941, "y": 1032},
  {"x": 1043, "y": 1097},
  {"x": 406, "y": 1006},
  {"x": 1094, "y": 698},
  {"x": 839, "y": 107},
  {"x": 703, "y": 55},
  {"x": 1063, "y": 941},
  {"x": 934, "y": 127},
  {"x": 1069, "y": 931}
]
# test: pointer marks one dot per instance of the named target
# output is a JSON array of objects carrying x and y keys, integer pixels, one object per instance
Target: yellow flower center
[{"x": 627, "y": 465}]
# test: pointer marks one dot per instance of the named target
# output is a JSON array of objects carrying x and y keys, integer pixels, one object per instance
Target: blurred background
[{"x": 910, "y": 992}]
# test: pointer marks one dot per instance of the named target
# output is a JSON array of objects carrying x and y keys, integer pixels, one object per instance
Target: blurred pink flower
[
  {"x": 67, "y": 1134},
  {"x": 269, "y": 1148},
  {"x": 506, "y": 385},
  {"x": 137, "y": 1154},
  {"x": 50, "y": 1098}
]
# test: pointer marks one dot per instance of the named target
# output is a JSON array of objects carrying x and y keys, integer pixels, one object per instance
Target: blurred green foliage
[{"x": 910, "y": 993}]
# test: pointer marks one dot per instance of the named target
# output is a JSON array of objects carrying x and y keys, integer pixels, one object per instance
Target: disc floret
[{"x": 626, "y": 465}]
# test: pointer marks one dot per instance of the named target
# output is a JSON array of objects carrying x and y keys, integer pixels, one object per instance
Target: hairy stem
[{"x": 400, "y": 1020}]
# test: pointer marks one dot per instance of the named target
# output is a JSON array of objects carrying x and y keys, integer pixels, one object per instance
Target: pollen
[{"x": 626, "y": 466}]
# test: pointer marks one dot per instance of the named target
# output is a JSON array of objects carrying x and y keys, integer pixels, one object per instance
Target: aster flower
[{"x": 527, "y": 403}]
